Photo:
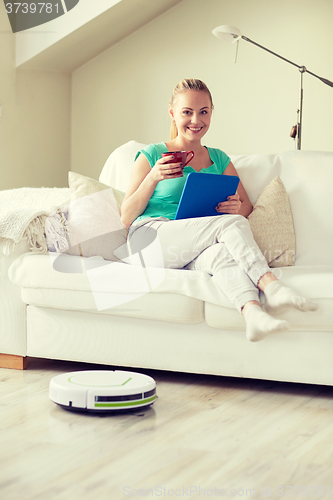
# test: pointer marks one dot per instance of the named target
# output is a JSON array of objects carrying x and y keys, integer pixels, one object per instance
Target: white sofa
[{"x": 50, "y": 314}]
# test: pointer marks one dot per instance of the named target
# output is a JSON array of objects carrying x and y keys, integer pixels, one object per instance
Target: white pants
[{"x": 222, "y": 246}]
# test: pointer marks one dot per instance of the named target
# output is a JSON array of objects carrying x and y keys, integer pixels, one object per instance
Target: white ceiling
[{"x": 97, "y": 35}]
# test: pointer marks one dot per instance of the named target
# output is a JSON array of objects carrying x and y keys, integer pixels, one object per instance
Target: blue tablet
[{"x": 202, "y": 193}]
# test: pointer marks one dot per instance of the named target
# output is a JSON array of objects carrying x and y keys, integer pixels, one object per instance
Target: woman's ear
[{"x": 171, "y": 112}]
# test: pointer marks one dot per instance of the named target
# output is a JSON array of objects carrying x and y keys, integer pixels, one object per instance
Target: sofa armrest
[{"x": 13, "y": 336}]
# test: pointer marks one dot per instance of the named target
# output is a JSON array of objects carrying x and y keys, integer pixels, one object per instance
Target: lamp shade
[{"x": 227, "y": 33}]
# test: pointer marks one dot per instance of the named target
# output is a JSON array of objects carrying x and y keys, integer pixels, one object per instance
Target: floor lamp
[{"x": 232, "y": 34}]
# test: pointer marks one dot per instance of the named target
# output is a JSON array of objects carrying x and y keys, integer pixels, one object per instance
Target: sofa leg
[{"x": 13, "y": 361}]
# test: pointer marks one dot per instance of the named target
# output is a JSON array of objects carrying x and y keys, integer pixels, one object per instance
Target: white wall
[
  {"x": 35, "y": 132},
  {"x": 123, "y": 93}
]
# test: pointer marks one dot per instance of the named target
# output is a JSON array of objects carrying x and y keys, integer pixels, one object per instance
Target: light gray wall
[{"x": 123, "y": 93}]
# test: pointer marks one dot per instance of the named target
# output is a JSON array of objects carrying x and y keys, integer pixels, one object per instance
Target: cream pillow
[
  {"x": 90, "y": 224},
  {"x": 272, "y": 225}
]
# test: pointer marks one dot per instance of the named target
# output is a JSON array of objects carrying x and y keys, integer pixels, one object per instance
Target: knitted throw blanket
[{"x": 23, "y": 213}]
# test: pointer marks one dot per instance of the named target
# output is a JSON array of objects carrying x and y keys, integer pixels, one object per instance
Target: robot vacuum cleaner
[{"x": 101, "y": 390}]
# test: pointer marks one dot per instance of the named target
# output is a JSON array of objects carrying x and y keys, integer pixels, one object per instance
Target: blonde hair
[{"x": 183, "y": 86}]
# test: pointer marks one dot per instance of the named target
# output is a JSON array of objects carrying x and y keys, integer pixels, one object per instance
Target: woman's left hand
[{"x": 231, "y": 206}]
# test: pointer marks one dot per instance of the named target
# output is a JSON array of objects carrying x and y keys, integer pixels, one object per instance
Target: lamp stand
[{"x": 300, "y": 110}]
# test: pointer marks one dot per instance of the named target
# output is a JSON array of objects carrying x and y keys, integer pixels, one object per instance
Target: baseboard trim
[{"x": 13, "y": 361}]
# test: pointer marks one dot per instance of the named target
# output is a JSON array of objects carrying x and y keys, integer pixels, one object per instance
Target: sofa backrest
[
  {"x": 117, "y": 169},
  {"x": 308, "y": 179},
  {"x": 307, "y": 176}
]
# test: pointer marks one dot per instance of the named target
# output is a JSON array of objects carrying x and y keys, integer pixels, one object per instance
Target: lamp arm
[
  {"x": 301, "y": 68},
  {"x": 270, "y": 51},
  {"x": 324, "y": 80}
]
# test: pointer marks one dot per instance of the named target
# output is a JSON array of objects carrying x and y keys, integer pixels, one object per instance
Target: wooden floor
[{"x": 204, "y": 437}]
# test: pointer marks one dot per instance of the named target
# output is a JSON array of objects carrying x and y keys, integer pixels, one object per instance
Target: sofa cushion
[
  {"x": 80, "y": 287},
  {"x": 314, "y": 282},
  {"x": 110, "y": 281},
  {"x": 90, "y": 224},
  {"x": 173, "y": 308},
  {"x": 272, "y": 225},
  {"x": 173, "y": 295},
  {"x": 81, "y": 186}
]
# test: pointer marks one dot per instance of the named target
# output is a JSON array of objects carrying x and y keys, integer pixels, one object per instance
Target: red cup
[{"x": 179, "y": 157}]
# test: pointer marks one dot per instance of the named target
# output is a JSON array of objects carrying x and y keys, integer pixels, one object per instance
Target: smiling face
[{"x": 192, "y": 112}]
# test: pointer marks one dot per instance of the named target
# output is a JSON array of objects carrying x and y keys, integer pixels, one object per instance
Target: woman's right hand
[
  {"x": 163, "y": 170},
  {"x": 143, "y": 182}
]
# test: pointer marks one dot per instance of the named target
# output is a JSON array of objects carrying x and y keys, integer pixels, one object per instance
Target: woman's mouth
[{"x": 195, "y": 130}]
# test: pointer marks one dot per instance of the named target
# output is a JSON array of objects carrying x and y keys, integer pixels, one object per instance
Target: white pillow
[
  {"x": 117, "y": 169},
  {"x": 90, "y": 224}
]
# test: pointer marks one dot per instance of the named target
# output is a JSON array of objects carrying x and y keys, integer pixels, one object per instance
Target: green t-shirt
[{"x": 165, "y": 199}]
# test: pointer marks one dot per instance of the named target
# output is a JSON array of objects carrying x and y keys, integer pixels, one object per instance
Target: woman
[{"x": 222, "y": 246}]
